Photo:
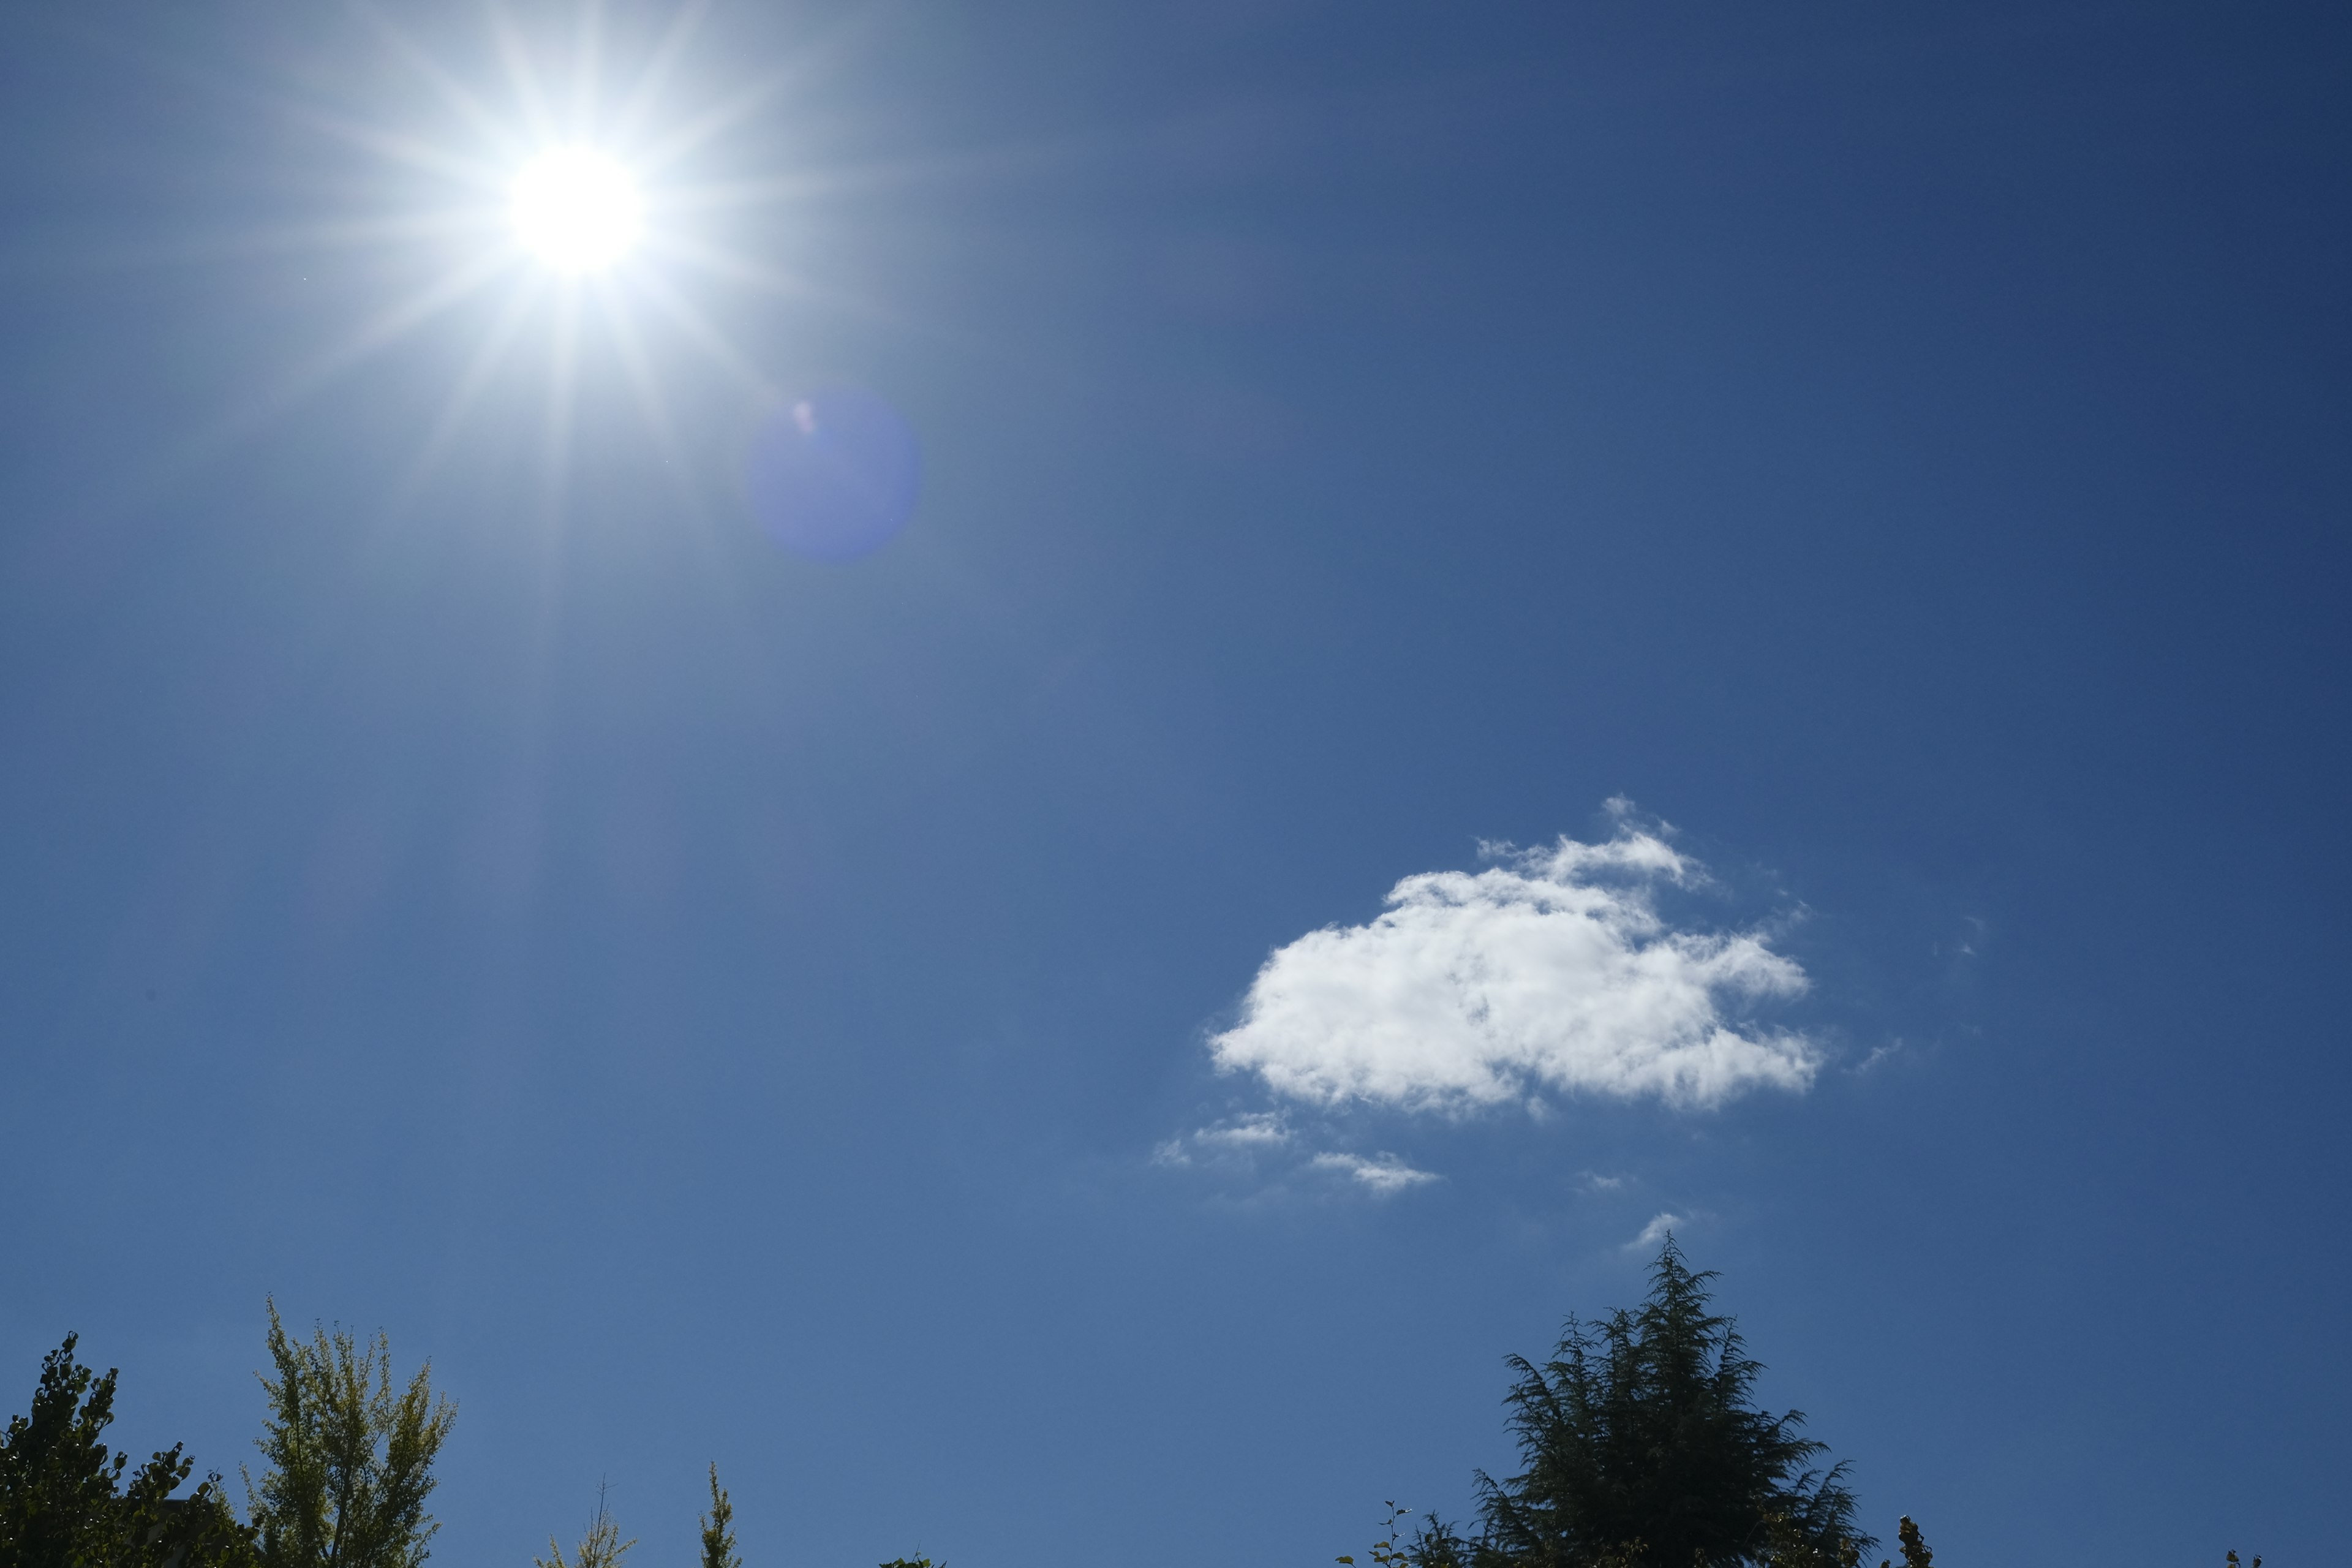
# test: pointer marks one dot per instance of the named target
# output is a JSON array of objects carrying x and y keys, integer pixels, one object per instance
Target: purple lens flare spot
[{"x": 833, "y": 476}]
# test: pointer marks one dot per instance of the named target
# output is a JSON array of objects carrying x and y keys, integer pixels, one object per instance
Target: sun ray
[
  {"x": 248, "y": 418},
  {"x": 708, "y": 124},
  {"x": 748, "y": 376},
  {"x": 252, "y": 244},
  {"x": 485, "y": 122},
  {"x": 747, "y": 99},
  {"x": 654, "y": 77},
  {"x": 701, "y": 512},
  {"x": 643, "y": 382},
  {"x": 409, "y": 150},
  {"x": 480, "y": 366},
  {"x": 732, "y": 267},
  {"x": 1058, "y": 155},
  {"x": 522, "y": 77},
  {"x": 810, "y": 60},
  {"x": 645, "y": 386},
  {"x": 563, "y": 390},
  {"x": 587, "y": 64}
]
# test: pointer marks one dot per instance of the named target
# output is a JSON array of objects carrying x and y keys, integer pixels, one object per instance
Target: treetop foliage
[
  {"x": 1639, "y": 1443},
  {"x": 65, "y": 1501},
  {"x": 349, "y": 1462},
  {"x": 601, "y": 1546},
  {"x": 1640, "y": 1447},
  {"x": 718, "y": 1529}
]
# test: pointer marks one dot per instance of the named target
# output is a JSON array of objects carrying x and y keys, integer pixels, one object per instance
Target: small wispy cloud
[
  {"x": 1238, "y": 1137},
  {"x": 1549, "y": 970},
  {"x": 1385, "y": 1174},
  {"x": 1263, "y": 1130},
  {"x": 1263, "y": 1152},
  {"x": 1656, "y": 1231}
]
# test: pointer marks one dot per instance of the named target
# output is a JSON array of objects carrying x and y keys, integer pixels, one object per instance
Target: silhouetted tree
[
  {"x": 349, "y": 1463},
  {"x": 1640, "y": 1445},
  {"x": 65, "y": 1501}
]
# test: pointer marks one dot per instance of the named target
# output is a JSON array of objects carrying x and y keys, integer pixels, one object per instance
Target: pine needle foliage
[
  {"x": 1641, "y": 1444},
  {"x": 718, "y": 1529},
  {"x": 349, "y": 1462},
  {"x": 601, "y": 1547},
  {"x": 66, "y": 1502}
]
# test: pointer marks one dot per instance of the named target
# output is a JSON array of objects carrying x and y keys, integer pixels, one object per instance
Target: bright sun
[
  {"x": 576, "y": 209},
  {"x": 570, "y": 211}
]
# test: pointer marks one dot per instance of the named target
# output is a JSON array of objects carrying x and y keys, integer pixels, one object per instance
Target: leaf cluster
[
  {"x": 718, "y": 1529},
  {"x": 68, "y": 1502},
  {"x": 349, "y": 1462}
]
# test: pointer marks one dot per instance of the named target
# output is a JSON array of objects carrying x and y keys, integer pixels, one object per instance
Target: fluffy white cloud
[
  {"x": 1549, "y": 970},
  {"x": 1383, "y": 1174}
]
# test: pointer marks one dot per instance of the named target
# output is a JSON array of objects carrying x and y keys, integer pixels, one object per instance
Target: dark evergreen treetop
[{"x": 1640, "y": 1445}]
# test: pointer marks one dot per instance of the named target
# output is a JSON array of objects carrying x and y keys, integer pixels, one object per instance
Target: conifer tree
[{"x": 1640, "y": 1445}]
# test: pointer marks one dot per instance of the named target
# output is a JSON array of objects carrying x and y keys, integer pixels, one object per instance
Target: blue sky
[{"x": 1817, "y": 535}]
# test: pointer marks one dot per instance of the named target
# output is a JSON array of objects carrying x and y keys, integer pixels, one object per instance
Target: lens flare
[
  {"x": 833, "y": 475},
  {"x": 576, "y": 209}
]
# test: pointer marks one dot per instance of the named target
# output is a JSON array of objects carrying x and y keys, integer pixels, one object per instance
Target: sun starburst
[{"x": 578, "y": 215}]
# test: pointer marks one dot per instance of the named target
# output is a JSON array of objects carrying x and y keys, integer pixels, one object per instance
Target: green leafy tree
[
  {"x": 1389, "y": 1551},
  {"x": 718, "y": 1529},
  {"x": 66, "y": 1502},
  {"x": 1640, "y": 1445},
  {"x": 349, "y": 1463}
]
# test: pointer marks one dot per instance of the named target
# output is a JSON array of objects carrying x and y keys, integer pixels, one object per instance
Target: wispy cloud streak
[{"x": 1383, "y": 1174}]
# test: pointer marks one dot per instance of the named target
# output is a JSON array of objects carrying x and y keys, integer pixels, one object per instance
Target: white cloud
[
  {"x": 1239, "y": 1137},
  {"x": 1260, "y": 1129},
  {"x": 1656, "y": 1232},
  {"x": 1385, "y": 1175},
  {"x": 1552, "y": 968},
  {"x": 1261, "y": 1147}
]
